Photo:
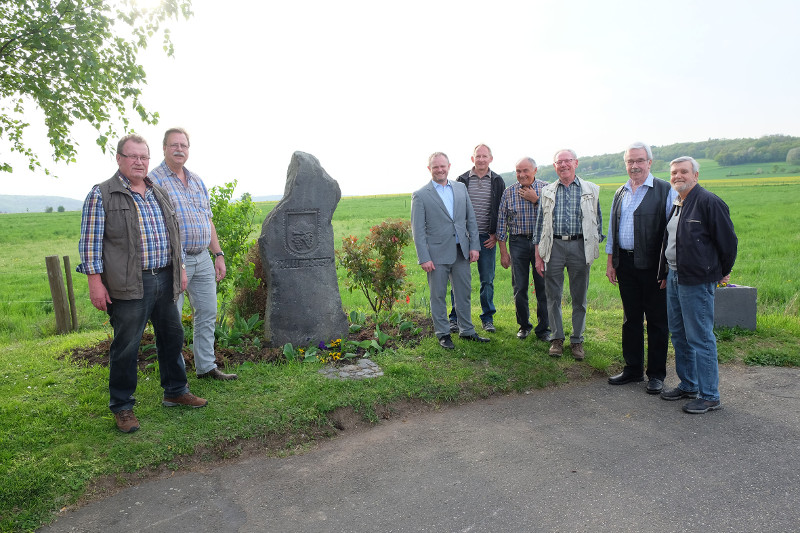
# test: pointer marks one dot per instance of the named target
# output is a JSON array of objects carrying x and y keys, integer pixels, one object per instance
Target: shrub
[
  {"x": 373, "y": 265},
  {"x": 234, "y": 223}
]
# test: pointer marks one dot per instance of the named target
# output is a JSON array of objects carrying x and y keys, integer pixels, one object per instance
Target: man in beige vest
[{"x": 568, "y": 234}]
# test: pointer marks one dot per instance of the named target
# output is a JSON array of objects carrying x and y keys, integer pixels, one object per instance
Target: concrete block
[{"x": 735, "y": 306}]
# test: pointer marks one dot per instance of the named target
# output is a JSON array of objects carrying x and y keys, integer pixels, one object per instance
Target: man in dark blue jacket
[{"x": 698, "y": 251}]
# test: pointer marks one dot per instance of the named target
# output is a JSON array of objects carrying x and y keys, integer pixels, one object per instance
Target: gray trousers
[
  {"x": 460, "y": 276},
  {"x": 569, "y": 255},
  {"x": 202, "y": 291}
]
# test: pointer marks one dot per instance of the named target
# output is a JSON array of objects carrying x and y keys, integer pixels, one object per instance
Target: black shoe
[
  {"x": 524, "y": 332},
  {"x": 474, "y": 337},
  {"x": 654, "y": 386},
  {"x": 677, "y": 394},
  {"x": 447, "y": 343},
  {"x": 543, "y": 337},
  {"x": 488, "y": 326},
  {"x": 700, "y": 406},
  {"x": 453, "y": 326},
  {"x": 623, "y": 378}
]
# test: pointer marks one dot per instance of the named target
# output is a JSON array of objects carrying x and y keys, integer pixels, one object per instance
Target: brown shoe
[
  {"x": 577, "y": 351},
  {"x": 556, "y": 347},
  {"x": 187, "y": 399},
  {"x": 126, "y": 421},
  {"x": 216, "y": 373}
]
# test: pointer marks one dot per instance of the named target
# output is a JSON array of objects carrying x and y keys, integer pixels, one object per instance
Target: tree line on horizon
[{"x": 726, "y": 152}]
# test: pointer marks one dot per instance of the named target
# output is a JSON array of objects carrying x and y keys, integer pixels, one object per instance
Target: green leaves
[
  {"x": 233, "y": 221},
  {"x": 73, "y": 60},
  {"x": 373, "y": 265}
]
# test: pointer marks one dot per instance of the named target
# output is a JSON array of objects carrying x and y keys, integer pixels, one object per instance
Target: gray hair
[
  {"x": 133, "y": 137},
  {"x": 695, "y": 164},
  {"x": 570, "y": 150},
  {"x": 176, "y": 130},
  {"x": 638, "y": 145},
  {"x": 436, "y": 154},
  {"x": 531, "y": 160}
]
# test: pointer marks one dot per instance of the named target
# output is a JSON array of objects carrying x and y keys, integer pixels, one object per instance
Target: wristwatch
[{"x": 219, "y": 254}]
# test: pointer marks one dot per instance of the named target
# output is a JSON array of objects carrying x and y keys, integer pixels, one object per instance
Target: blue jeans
[
  {"x": 486, "y": 264},
  {"x": 129, "y": 318},
  {"x": 202, "y": 291},
  {"x": 690, "y": 312}
]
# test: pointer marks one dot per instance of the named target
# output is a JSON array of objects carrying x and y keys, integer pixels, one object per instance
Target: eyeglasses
[
  {"x": 142, "y": 158},
  {"x": 630, "y": 162},
  {"x": 175, "y": 146},
  {"x": 564, "y": 161}
]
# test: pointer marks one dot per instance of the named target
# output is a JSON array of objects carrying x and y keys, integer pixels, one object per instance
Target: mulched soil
[{"x": 234, "y": 356}]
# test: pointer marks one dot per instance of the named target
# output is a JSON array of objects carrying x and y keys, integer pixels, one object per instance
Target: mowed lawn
[{"x": 57, "y": 436}]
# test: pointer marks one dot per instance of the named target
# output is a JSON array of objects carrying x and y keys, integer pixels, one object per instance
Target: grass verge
[{"x": 58, "y": 439}]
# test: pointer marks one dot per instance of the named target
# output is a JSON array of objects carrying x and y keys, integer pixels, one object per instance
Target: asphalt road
[{"x": 582, "y": 457}]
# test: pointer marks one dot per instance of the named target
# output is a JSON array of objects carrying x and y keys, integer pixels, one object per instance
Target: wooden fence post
[
  {"x": 71, "y": 294},
  {"x": 60, "y": 305}
]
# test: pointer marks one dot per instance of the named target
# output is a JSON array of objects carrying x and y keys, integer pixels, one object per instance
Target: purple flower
[{"x": 322, "y": 346}]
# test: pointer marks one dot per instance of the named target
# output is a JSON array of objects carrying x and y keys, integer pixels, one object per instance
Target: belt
[
  {"x": 528, "y": 236},
  {"x": 567, "y": 237},
  {"x": 156, "y": 271},
  {"x": 624, "y": 251}
]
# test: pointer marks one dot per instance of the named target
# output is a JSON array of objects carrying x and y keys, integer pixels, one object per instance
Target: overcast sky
[{"x": 372, "y": 88}]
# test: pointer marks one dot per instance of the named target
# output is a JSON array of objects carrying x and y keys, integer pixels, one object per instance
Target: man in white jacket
[{"x": 568, "y": 234}]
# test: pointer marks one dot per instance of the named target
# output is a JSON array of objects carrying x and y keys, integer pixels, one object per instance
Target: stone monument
[{"x": 296, "y": 246}]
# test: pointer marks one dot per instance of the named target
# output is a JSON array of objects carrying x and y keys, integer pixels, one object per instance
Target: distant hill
[
  {"x": 772, "y": 149},
  {"x": 36, "y": 204},
  {"x": 39, "y": 204},
  {"x": 270, "y": 198}
]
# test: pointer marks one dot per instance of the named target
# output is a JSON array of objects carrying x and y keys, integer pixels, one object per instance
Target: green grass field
[{"x": 57, "y": 435}]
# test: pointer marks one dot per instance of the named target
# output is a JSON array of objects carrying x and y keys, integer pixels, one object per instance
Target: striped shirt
[
  {"x": 517, "y": 216},
  {"x": 154, "y": 243},
  {"x": 480, "y": 194},
  {"x": 191, "y": 203}
]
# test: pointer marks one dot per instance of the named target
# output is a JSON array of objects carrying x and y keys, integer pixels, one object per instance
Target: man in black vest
[{"x": 635, "y": 230}]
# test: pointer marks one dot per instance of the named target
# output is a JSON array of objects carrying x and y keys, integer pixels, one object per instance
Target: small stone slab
[{"x": 364, "y": 369}]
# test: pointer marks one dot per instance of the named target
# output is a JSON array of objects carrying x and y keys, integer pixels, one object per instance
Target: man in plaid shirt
[
  {"x": 130, "y": 250},
  {"x": 568, "y": 234},
  {"x": 515, "y": 224},
  {"x": 198, "y": 237}
]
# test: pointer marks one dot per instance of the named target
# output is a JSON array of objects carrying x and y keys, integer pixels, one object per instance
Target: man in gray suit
[{"x": 446, "y": 238}]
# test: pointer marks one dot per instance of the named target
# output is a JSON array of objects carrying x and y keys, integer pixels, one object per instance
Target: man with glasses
[
  {"x": 568, "y": 233},
  {"x": 636, "y": 226},
  {"x": 135, "y": 273},
  {"x": 198, "y": 236}
]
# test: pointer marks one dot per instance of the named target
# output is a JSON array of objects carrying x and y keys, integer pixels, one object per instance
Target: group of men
[
  {"x": 145, "y": 239},
  {"x": 668, "y": 246}
]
